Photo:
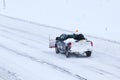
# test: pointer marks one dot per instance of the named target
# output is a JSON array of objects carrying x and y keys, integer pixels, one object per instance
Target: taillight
[
  {"x": 69, "y": 44},
  {"x": 91, "y": 43}
]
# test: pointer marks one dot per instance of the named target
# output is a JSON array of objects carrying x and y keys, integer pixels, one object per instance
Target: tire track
[
  {"x": 102, "y": 60},
  {"x": 7, "y": 75},
  {"x": 19, "y": 36},
  {"x": 56, "y": 28},
  {"x": 21, "y": 31},
  {"x": 38, "y": 24},
  {"x": 103, "y": 39},
  {"x": 43, "y": 62},
  {"x": 20, "y": 42},
  {"x": 103, "y": 72}
]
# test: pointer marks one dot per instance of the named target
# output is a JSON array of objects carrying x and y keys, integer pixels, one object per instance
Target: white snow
[
  {"x": 95, "y": 17},
  {"x": 24, "y": 39}
]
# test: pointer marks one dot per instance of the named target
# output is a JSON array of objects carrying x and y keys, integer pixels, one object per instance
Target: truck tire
[
  {"x": 56, "y": 49},
  {"x": 88, "y": 53},
  {"x": 67, "y": 54}
]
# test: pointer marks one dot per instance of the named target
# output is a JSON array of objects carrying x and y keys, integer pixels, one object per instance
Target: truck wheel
[
  {"x": 56, "y": 50},
  {"x": 67, "y": 54},
  {"x": 88, "y": 53}
]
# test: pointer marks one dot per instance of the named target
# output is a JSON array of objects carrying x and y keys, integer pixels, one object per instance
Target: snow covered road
[{"x": 24, "y": 52}]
